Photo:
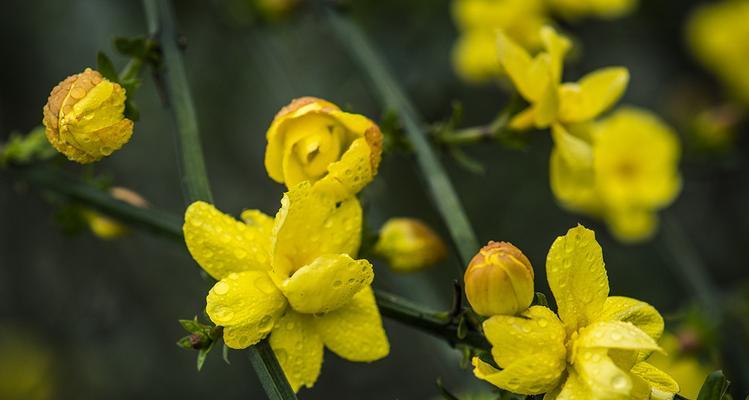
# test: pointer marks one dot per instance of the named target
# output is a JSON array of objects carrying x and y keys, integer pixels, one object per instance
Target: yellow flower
[
  {"x": 687, "y": 370},
  {"x": 475, "y": 52},
  {"x": 312, "y": 139},
  {"x": 409, "y": 245},
  {"x": 109, "y": 228},
  {"x": 717, "y": 33},
  {"x": 293, "y": 278},
  {"x": 599, "y": 8},
  {"x": 84, "y": 117},
  {"x": 622, "y": 168},
  {"x": 538, "y": 80},
  {"x": 594, "y": 349},
  {"x": 499, "y": 280}
]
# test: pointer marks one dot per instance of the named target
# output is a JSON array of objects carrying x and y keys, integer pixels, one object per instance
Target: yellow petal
[
  {"x": 298, "y": 349},
  {"x": 573, "y": 388},
  {"x": 474, "y": 56},
  {"x": 547, "y": 106},
  {"x": 615, "y": 335},
  {"x": 602, "y": 377},
  {"x": 247, "y": 305},
  {"x": 521, "y": 68},
  {"x": 573, "y": 187},
  {"x": 530, "y": 375},
  {"x": 351, "y": 173},
  {"x": 661, "y": 384},
  {"x": 354, "y": 331},
  {"x": 577, "y": 152},
  {"x": 577, "y": 277},
  {"x": 311, "y": 223},
  {"x": 592, "y": 95},
  {"x": 632, "y": 225},
  {"x": 221, "y": 244},
  {"x": 642, "y": 315},
  {"x": 327, "y": 283},
  {"x": 536, "y": 330},
  {"x": 524, "y": 120},
  {"x": 557, "y": 47},
  {"x": 259, "y": 219}
]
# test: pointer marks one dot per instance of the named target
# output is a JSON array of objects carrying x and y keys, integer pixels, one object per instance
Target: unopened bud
[
  {"x": 409, "y": 245},
  {"x": 108, "y": 228},
  {"x": 499, "y": 280}
]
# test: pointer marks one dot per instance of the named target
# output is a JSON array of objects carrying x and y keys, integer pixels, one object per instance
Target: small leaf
[
  {"x": 105, "y": 67},
  {"x": 202, "y": 354},
  {"x": 133, "y": 47},
  {"x": 191, "y": 325},
  {"x": 462, "y": 330},
  {"x": 715, "y": 387},
  {"x": 541, "y": 299},
  {"x": 225, "y": 354},
  {"x": 185, "y": 342}
]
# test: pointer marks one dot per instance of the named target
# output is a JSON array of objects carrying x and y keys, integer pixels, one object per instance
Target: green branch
[
  {"x": 162, "y": 27},
  {"x": 392, "y": 96}
]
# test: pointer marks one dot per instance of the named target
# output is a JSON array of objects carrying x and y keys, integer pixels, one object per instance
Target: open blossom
[
  {"x": 595, "y": 347},
  {"x": 293, "y": 277},
  {"x": 312, "y": 139},
  {"x": 623, "y": 168},
  {"x": 538, "y": 80},
  {"x": 84, "y": 117}
]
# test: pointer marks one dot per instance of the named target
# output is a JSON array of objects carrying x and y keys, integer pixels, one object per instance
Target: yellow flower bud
[
  {"x": 108, "y": 228},
  {"x": 84, "y": 117},
  {"x": 499, "y": 280},
  {"x": 409, "y": 245},
  {"x": 313, "y": 140}
]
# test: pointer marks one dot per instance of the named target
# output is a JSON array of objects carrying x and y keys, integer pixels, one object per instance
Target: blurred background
[{"x": 85, "y": 318}]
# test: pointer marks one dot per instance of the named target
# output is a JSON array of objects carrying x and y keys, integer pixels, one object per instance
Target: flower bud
[
  {"x": 409, "y": 245},
  {"x": 313, "y": 140},
  {"x": 108, "y": 228},
  {"x": 499, "y": 280},
  {"x": 84, "y": 117}
]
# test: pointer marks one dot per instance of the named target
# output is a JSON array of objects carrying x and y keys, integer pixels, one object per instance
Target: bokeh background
[{"x": 85, "y": 318}]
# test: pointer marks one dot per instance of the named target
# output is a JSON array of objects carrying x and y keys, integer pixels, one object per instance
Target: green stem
[
  {"x": 170, "y": 226},
  {"x": 392, "y": 96},
  {"x": 162, "y": 27},
  {"x": 131, "y": 70},
  {"x": 477, "y": 133}
]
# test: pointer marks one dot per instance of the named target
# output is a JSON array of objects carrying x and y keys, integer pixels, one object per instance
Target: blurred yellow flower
[
  {"x": 26, "y": 366},
  {"x": 717, "y": 33},
  {"x": 598, "y": 8},
  {"x": 595, "y": 349},
  {"x": 293, "y": 278},
  {"x": 475, "y": 52},
  {"x": 108, "y": 228},
  {"x": 409, "y": 245},
  {"x": 84, "y": 117},
  {"x": 499, "y": 280},
  {"x": 312, "y": 139},
  {"x": 538, "y": 80},
  {"x": 687, "y": 370},
  {"x": 622, "y": 168}
]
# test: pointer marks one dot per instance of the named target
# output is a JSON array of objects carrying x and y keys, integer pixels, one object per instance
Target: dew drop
[
  {"x": 543, "y": 323},
  {"x": 619, "y": 382},
  {"x": 265, "y": 323},
  {"x": 106, "y": 150},
  {"x": 221, "y": 288},
  {"x": 337, "y": 283}
]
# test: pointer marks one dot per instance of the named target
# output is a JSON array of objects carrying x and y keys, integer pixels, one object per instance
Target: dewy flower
[
  {"x": 499, "y": 280},
  {"x": 312, "y": 139},
  {"x": 538, "y": 80},
  {"x": 409, "y": 245},
  {"x": 84, "y": 117},
  {"x": 594, "y": 349},
  {"x": 294, "y": 278},
  {"x": 623, "y": 169},
  {"x": 718, "y": 32},
  {"x": 599, "y": 8},
  {"x": 475, "y": 52}
]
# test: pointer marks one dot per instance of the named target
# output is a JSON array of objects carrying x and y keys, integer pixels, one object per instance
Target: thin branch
[{"x": 393, "y": 97}]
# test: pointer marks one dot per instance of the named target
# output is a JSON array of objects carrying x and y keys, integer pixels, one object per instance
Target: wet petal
[
  {"x": 530, "y": 375},
  {"x": 615, "y": 335},
  {"x": 640, "y": 314},
  {"x": 327, "y": 283},
  {"x": 298, "y": 349},
  {"x": 246, "y": 304},
  {"x": 601, "y": 375},
  {"x": 221, "y": 244},
  {"x": 661, "y": 384},
  {"x": 537, "y": 330},
  {"x": 573, "y": 388},
  {"x": 577, "y": 277},
  {"x": 354, "y": 331}
]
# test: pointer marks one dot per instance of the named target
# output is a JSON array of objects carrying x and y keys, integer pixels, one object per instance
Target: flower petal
[
  {"x": 534, "y": 374},
  {"x": 573, "y": 388},
  {"x": 601, "y": 375},
  {"x": 535, "y": 331},
  {"x": 246, "y": 304},
  {"x": 592, "y": 95},
  {"x": 354, "y": 331},
  {"x": 661, "y": 384},
  {"x": 352, "y": 172},
  {"x": 298, "y": 348},
  {"x": 221, "y": 244},
  {"x": 520, "y": 68},
  {"x": 311, "y": 223},
  {"x": 615, "y": 335},
  {"x": 577, "y": 277},
  {"x": 632, "y": 225},
  {"x": 640, "y": 314},
  {"x": 327, "y": 283}
]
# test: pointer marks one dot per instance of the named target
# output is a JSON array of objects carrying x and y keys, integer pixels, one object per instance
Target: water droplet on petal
[{"x": 221, "y": 288}]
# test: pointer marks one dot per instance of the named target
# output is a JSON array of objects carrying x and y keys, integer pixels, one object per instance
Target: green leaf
[
  {"x": 541, "y": 300},
  {"x": 192, "y": 325},
  {"x": 105, "y": 67},
  {"x": 715, "y": 387},
  {"x": 25, "y": 149},
  {"x": 462, "y": 330},
  {"x": 225, "y": 354},
  {"x": 131, "y": 111},
  {"x": 132, "y": 47},
  {"x": 202, "y": 354},
  {"x": 185, "y": 342}
]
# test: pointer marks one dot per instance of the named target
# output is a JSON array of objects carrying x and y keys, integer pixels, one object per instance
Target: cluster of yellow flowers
[
  {"x": 621, "y": 168},
  {"x": 595, "y": 348},
  {"x": 475, "y": 53},
  {"x": 717, "y": 33}
]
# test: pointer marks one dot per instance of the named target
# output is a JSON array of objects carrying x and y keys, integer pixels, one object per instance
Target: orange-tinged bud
[
  {"x": 84, "y": 117},
  {"x": 409, "y": 245},
  {"x": 499, "y": 280}
]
